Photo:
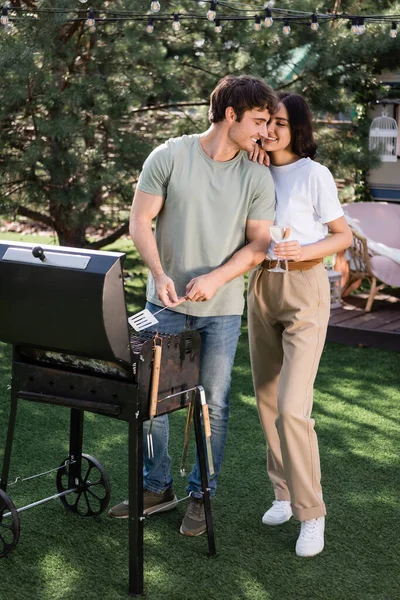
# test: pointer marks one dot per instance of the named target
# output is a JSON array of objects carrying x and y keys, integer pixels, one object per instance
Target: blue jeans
[{"x": 219, "y": 338}]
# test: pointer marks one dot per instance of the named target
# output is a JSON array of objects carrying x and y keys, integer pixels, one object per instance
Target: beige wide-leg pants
[{"x": 288, "y": 318}]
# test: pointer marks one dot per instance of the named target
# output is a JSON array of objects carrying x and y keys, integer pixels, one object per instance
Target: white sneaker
[
  {"x": 279, "y": 513},
  {"x": 311, "y": 538}
]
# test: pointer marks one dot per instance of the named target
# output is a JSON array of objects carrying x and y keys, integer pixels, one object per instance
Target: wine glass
[{"x": 278, "y": 235}]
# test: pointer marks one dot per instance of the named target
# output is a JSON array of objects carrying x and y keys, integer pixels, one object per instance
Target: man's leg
[
  {"x": 157, "y": 480},
  {"x": 219, "y": 338},
  {"x": 157, "y": 469}
]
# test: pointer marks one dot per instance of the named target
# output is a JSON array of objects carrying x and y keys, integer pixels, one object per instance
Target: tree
[{"x": 80, "y": 110}]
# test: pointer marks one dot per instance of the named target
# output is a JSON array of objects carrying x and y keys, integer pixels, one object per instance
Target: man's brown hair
[{"x": 242, "y": 93}]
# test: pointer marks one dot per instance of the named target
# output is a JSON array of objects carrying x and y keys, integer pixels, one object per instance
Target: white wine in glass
[{"x": 278, "y": 235}]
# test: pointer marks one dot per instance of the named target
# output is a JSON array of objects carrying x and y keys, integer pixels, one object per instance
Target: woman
[{"x": 288, "y": 319}]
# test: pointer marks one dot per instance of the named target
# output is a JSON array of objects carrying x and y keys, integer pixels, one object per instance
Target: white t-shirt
[{"x": 306, "y": 199}]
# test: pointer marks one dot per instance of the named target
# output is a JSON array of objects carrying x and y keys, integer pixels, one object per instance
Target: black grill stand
[
  {"x": 135, "y": 462},
  {"x": 64, "y": 312}
]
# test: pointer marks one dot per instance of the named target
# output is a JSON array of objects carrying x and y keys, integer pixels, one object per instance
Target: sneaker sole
[
  {"x": 275, "y": 523},
  {"x": 310, "y": 555},
  {"x": 190, "y": 533},
  {"x": 164, "y": 507},
  {"x": 113, "y": 516}
]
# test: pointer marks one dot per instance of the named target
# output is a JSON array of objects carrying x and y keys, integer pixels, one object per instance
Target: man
[{"x": 213, "y": 208}]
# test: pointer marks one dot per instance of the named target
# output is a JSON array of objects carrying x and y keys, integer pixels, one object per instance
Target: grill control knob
[{"x": 37, "y": 252}]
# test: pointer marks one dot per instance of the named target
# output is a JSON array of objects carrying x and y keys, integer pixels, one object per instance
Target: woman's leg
[
  {"x": 305, "y": 312},
  {"x": 265, "y": 339}
]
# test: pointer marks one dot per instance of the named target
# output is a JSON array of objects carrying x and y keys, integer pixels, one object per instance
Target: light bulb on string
[
  {"x": 257, "y": 23},
  {"x": 286, "y": 28},
  {"x": 150, "y": 25},
  {"x": 354, "y": 26},
  {"x": 360, "y": 26},
  {"x": 176, "y": 24},
  {"x": 155, "y": 6},
  {"x": 268, "y": 21},
  {"x": 393, "y": 31},
  {"x": 83, "y": 1},
  {"x": 4, "y": 17},
  {"x": 91, "y": 22},
  {"x": 314, "y": 22},
  {"x": 218, "y": 26},
  {"x": 211, "y": 14}
]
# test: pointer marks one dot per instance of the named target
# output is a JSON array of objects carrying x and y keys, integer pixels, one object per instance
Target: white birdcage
[{"x": 383, "y": 135}]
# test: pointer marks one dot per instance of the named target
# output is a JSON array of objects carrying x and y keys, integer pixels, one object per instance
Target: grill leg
[
  {"x": 203, "y": 473},
  {"x": 75, "y": 446},
  {"x": 135, "y": 465},
  {"x": 10, "y": 437}
]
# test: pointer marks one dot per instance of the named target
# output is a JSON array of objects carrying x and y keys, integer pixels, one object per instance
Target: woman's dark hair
[
  {"x": 241, "y": 93},
  {"x": 300, "y": 121}
]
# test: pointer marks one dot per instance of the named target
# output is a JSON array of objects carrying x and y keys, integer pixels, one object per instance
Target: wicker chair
[{"x": 360, "y": 267}]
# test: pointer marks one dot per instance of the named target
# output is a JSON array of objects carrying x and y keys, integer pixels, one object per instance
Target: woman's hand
[
  {"x": 289, "y": 251},
  {"x": 259, "y": 155}
]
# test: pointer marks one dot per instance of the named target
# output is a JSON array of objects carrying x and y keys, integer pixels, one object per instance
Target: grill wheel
[
  {"x": 93, "y": 488},
  {"x": 9, "y": 526}
]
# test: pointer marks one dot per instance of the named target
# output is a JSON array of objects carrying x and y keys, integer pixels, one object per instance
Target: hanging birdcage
[{"x": 383, "y": 135}]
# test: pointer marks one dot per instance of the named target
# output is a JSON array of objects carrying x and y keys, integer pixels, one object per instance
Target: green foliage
[{"x": 80, "y": 111}]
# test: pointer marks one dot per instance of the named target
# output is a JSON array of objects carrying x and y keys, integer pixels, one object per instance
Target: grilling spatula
[{"x": 143, "y": 319}]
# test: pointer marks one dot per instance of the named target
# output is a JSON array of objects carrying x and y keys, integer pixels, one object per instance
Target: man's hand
[
  {"x": 203, "y": 288},
  {"x": 259, "y": 155},
  {"x": 289, "y": 251},
  {"x": 166, "y": 290}
]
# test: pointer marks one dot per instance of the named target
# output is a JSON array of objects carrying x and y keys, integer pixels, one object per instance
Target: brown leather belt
[{"x": 302, "y": 265}]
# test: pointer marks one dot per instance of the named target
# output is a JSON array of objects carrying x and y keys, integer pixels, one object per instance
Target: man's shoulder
[
  {"x": 260, "y": 173},
  {"x": 170, "y": 150},
  {"x": 175, "y": 144}
]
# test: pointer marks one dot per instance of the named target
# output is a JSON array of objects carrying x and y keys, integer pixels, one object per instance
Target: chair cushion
[
  {"x": 386, "y": 270},
  {"x": 378, "y": 221}
]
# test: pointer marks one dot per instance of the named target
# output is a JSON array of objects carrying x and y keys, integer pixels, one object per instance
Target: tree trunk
[{"x": 75, "y": 238}]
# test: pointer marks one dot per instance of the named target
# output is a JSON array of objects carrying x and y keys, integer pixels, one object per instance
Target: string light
[
  {"x": 211, "y": 14},
  {"x": 257, "y": 23},
  {"x": 93, "y": 17},
  {"x": 83, "y": 1},
  {"x": 360, "y": 26},
  {"x": 286, "y": 28},
  {"x": 91, "y": 22},
  {"x": 176, "y": 24},
  {"x": 314, "y": 22},
  {"x": 268, "y": 18},
  {"x": 4, "y": 16},
  {"x": 218, "y": 26},
  {"x": 150, "y": 25}
]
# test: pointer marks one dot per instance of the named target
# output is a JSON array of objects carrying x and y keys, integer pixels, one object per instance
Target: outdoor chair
[{"x": 375, "y": 252}]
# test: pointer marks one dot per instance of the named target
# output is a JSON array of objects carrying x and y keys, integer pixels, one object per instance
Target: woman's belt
[{"x": 301, "y": 265}]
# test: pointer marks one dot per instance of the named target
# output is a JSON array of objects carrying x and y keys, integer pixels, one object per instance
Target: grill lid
[{"x": 65, "y": 299}]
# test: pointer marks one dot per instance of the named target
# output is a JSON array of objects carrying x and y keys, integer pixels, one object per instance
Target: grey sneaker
[
  {"x": 152, "y": 502},
  {"x": 194, "y": 521}
]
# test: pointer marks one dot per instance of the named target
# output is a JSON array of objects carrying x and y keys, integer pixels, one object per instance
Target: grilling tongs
[{"x": 155, "y": 381}]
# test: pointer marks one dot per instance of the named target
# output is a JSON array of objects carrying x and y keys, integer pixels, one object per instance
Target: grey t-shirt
[{"x": 203, "y": 219}]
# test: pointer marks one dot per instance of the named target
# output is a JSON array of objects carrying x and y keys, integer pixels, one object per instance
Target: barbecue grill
[{"x": 64, "y": 312}]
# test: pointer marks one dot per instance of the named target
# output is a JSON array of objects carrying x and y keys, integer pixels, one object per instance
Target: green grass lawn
[{"x": 63, "y": 557}]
